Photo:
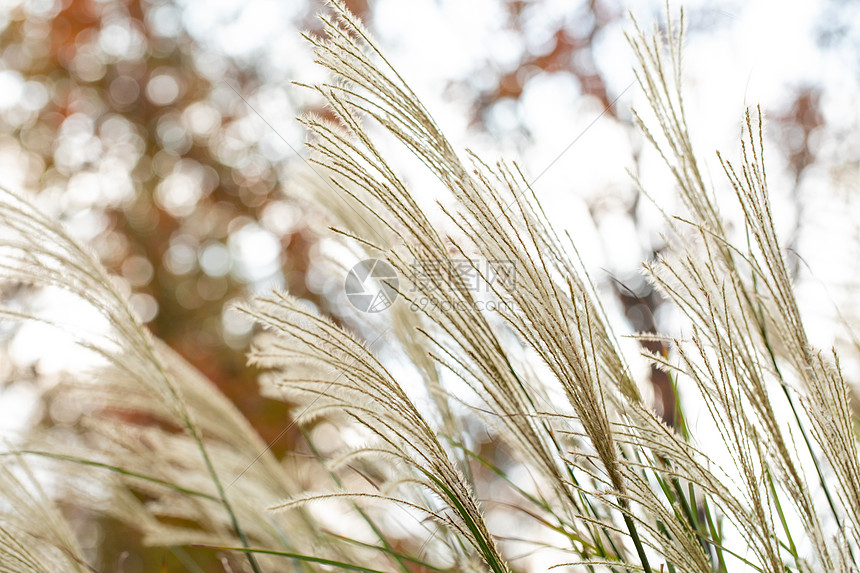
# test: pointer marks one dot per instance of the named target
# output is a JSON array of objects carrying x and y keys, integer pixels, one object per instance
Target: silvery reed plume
[{"x": 391, "y": 475}]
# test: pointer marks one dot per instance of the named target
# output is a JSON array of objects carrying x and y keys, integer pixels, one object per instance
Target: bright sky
[{"x": 737, "y": 54}]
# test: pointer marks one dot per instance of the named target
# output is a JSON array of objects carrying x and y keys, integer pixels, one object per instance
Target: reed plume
[{"x": 591, "y": 475}]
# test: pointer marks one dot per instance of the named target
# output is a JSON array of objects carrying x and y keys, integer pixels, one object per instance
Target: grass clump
[{"x": 589, "y": 473}]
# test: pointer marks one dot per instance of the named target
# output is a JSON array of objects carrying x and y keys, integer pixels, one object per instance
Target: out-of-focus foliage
[
  {"x": 141, "y": 137},
  {"x": 116, "y": 112},
  {"x": 137, "y": 135},
  {"x": 144, "y": 139},
  {"x": 577, "y": 470}
]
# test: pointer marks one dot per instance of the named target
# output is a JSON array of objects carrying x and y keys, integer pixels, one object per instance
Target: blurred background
[{"x": 163, "y": 134}]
